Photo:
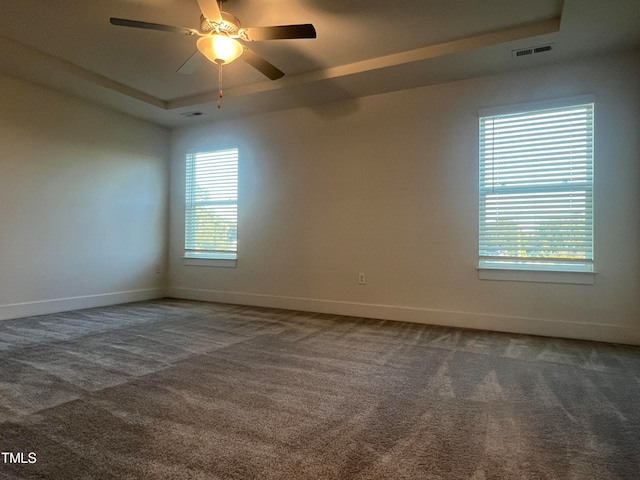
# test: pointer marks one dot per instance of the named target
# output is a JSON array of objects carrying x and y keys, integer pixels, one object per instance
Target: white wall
[
  {"x": 387, "y": 185},
  {"x": 83, "y": 203}
]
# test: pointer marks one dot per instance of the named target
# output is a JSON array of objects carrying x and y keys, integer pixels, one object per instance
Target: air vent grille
[
  {"x": 191, "y": 114},
  {"x": 544, "y": 48},
  {"x": 523, "y": 52},
  {"x": 527, "y": 51}
]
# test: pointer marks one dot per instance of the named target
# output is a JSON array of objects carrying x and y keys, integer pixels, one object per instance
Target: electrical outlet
[{"x": 361, "y": 279}]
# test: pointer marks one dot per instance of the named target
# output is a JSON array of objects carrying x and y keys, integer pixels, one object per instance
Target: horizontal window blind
[
  {"x": 536, "y": 189},
  {"x": 211, "y": 205}
]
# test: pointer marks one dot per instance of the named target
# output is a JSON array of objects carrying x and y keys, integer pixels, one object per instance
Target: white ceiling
[{"x": 363, "y": 47}]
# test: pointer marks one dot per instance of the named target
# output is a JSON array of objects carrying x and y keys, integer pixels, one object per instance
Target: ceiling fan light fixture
[{"x": 220, "y": 49}]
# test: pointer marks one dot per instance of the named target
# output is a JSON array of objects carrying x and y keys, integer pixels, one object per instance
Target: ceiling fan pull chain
[{"x": 219, "y": 84}]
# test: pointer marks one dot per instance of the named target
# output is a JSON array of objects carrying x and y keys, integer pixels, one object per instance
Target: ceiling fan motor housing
[{"x": 229, "y": 25}]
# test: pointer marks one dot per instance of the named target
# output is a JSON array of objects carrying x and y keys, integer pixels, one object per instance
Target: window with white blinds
[
  {"x": 536, "y": 190},
  {"x": 211, "y": 205}
]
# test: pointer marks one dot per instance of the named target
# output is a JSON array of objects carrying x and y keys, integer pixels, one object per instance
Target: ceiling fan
[{"x": 222, "y": 39}]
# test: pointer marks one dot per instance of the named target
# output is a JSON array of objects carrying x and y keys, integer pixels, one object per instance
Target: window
[
  {"x": 211, "y": 206},
  {"x": 536, "y": 189}
]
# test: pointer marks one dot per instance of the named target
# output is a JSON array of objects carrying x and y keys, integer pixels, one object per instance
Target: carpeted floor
[{"x": 173, "y": 389}]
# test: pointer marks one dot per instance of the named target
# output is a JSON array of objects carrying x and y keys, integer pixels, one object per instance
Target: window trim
[
  {"x": 489, "y": 268},
  {"x": 538, "y": 276},
  {"x": 209, "y": 262}
]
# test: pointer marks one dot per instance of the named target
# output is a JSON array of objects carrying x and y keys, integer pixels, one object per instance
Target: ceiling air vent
[{"x": 523, "y": 52}]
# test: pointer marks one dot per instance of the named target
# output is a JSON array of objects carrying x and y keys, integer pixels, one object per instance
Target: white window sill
[
  {"x": 209, "y": 262},
  {"x": 541, "y": 276}
]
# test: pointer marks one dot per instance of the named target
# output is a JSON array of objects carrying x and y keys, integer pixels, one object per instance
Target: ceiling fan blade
[
  {"x": 279, "y": 32},
  {"x": 210, "y": 10},
  {"x": 260, "y": 64},
  {"x": 191, "y": 64},
  {"x": 122, "y": 22}
]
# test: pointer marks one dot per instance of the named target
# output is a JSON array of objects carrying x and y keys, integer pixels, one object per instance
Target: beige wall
[
  {"x": 387, "y": 185},
  {"x": 83, "y": 203}
]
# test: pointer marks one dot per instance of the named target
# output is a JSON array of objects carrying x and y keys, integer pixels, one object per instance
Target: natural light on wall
[{"x": 536, "y": 189}]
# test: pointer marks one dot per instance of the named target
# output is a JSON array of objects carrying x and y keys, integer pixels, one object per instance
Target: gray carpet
[{"x": 173, "y": 389}]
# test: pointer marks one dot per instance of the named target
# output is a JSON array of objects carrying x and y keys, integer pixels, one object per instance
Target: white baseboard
[
  {"x": 44, "y": 307},
  {"x": 481, "y": 321}
]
